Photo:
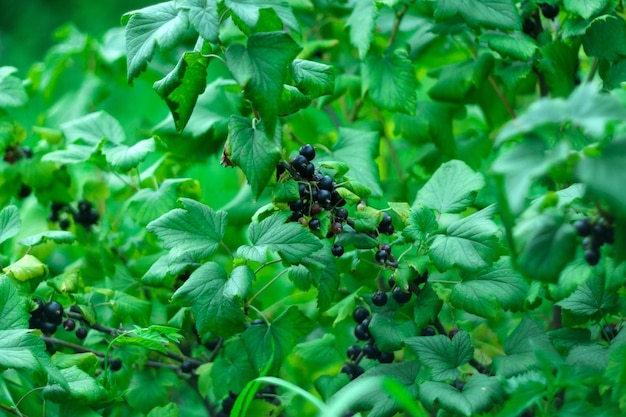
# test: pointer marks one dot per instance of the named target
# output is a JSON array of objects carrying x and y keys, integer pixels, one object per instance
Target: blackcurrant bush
[
  {"x": 326, "y": 183},
  {"x": 48, "y": 328},
  {"x": 315, "y": 224},
  {"x": 336, "y": 228},
  {"x": 361, "y": 332},
  {"x": 381, "y": 256},
  {"x": 360, "y": 314},
  {"x": 386, "y": 357},
  {"x": 341, "y": 214},
  {"x": 115, "y": 364},
  {"x": 592, "y": 256},
  {"x": 187, "y": 366},
  {"x": 308, "y": 152},
  {"x": 583, "y": 227},
  {"x": 353, "y": 352},
  {"x": 337, "y": 250},
  {"x": 428, "y": 331},
  {"x": 400, "y": 296},
  {"x": 64, "y": 224},
  {"x": 53, "y": 311},
  {"x": 81, "y": 333},
  {"x": 379, "y": 298},
  {"x": 69, "y": 325},
  {"x": 549, "y": 11},
  {"x": 370, "y": 350},
  {"x": 609, "y": 331}
]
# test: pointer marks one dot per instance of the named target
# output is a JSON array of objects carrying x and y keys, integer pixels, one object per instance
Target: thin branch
[
  {"x": 11, "y": 410},
  {"x": 355, "y": 110},
  {"x": 502, "y": 97},
  {"x": 592, "y": 70},
  {"x": 227, "y": 249},
  {"x": 396, "y": 25},
  {"x": 73, "y": 346},
  {"x": 270, "y": 282},
  {"x": 275, "y": 261}
]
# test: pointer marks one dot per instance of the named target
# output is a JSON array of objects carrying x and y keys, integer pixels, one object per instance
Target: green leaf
[
  {"x": 10, "y": 222},
  {"x": 496, "y": 14},
  {"x": 203, "y": 16},
  {"x": 421, "y": 223},
  {"x": 56, "y": 236},
  {"x": 427, "y": 306},
  {"x": 13, "y": 307},
  {"x": 325, "y": 274},
  {"x": 123, "y": 158},
  {"x": 522, "y": 347},
  {"x": 147, "y": 204},
  {"x": 129, "y": 308},
  {"x": 82, "y": 388},
  {"x": 292, "y": 241},
  {"x": 451, "y": 189},
  {"x": 482, "y": 293},
  {"x": 517, "y": 45},
  {"x": 26, "y": 268},
  {"x": 471, "y": 243},
  {"x": 442, "y": 355},
  {"x": 358, "y": 149},
  {"x": 389, "y": 333},
  {"x": 12, "y": 93},
  {"x": 479, "y": 394},
  {"x": 292, "y": 100},
  {"x": 456, "y": 82},
  {"x": 153, "y": 337},
  {"x": 195, "y": 228},
  {"x": 585, "y": 107},
  {"x": 249, "y": 11},
  {"x": 168, "y": 410},
  {"x": 233, "y": 369},
  {"x": 216, "y": 307},
  {"x": 603, "y": 38},
  {"x": 249, "y": 148},
  {"x": 160, "y": 24},
  {"x": 559, "y": 65},
  {"x": 261, "y": 68},
  {"x": 390, "y": 80},
  {"x": 584, "y": 8},
  {"x": 313, "y": 78},
  {"x": 548, "y": 244},
  {"x": 167, "y": 266},
  {"x": 274, "y": 342},
  {"x": 600, "y": 174},
  {"x": 182, "y": 86},
  {"x": 93, "y": 128},
  {"x": 362, "y": 22},
  {"x": 591, "y": 299}
]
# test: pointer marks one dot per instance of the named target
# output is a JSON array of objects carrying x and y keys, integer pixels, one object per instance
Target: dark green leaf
[
  {"x": 515, "y": 46},
  {"x": 313, "y": 78},
  {"x": 421, "y": 223},
  {"x": 442, "y": 355},
  {"x": 13, "y": 307},
  {"x": 249, "y": 11},
  {"x": 479, "y": 394},
  {"x": 584, "y": 8},
  {"x": 389, "y": 333},
  {"x": 233, "y": 369},
  {"x": 124, "y": 158},
  {"x": 591, "y": 299},
  {"x": 362, "y": 22},
  {"x": 427, "y": 306},
  {"x": 603, "y": 38},
  {"x": 129, "y": 308}
]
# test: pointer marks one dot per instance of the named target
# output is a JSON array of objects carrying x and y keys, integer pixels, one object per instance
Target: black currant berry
[
  {"x": 360, "y": 314},
  {"x": 453, "y": 332},
  {"x": 549, "y": 11},
  {"x": 323, "y": 196},
  {"x": 458, "y": 384},
  {"x": 296, "y": 205},
  {"x": 592, "y": 256},
  {"x": 341, "y": 214},
  {"x": 24, "y": 192},
  {"x": 337, "y": 250},
  {"x": 336, "y": 200},
  {"x": 315, "y": 224},
  {"x": 69, "y": 325},
  {"x": 583, "y": 227},
  {"x": 187, "y": 366},
  {"x": 353, "y": 352},
  {"x": 115, "y": 364},
  {"x": 48, "y": 328},
  {"x": 308, "y": 152},
  {"x": 316, "y": 209},
  {"x": 64, "y": 224},
  {"x": 422, "y": 278},
  {"x": 361, "y": 332},
  {"x": 53, "y": 311},
  {"x": 386, "y": 357},
  {"x": 84, "y": 206},
  {"x": 400, "y": 296},
  {"x": 379, "y": 298},
  {"x": 370, "y": 350},
  {"x": 366, "y": 322},
  {"x": 428, "y": 331},
  {"x": 381, "y": 256},
  {"x": 336, "y": 228},
  {"x": 609, "y": 331},
  {"x": 326, "y": 183},
  {"x": 81, "y": 333},
  {"x": 309, "y": 170}
]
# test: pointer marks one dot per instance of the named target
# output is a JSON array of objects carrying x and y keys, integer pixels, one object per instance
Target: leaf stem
[
  {"x": 17, "y": 404},
  {"x": 12, "y": 410},
  {"x": 355, "y": 111},
  {"x": 502, "y": 97},
  {"x": 275, "y": 261},
  {"x": 592, "y": 70},
  {"x": 260, "y": 313},
  {"x": 270, "y": 282},
  {"x": 227, "y": 249},
  {"x": 396, "y": 25}
]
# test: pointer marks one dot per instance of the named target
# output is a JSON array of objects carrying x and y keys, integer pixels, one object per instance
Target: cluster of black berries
[
  {"x": 380, "y": 298},
  {"x": 385, "y": 226},
  {"x": 46, "y": 317},
  {"x": 369, "y": 350},
  {"x": 227, "y": 404},
  {"x": 86, "y": 215},
  {"x": 594, "y": 234},
  {"x": 383, "y": 256},
  {"x": 14, "y": 153}
]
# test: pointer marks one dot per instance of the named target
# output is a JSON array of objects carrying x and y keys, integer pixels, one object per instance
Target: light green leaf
[
  {"x": 129, "y": 308},
  {"x": 203, "y": 16},
  {"x": 362, "y": 22},
  {"x": 148, "y": 204},
  {"x": 591, "y": 299},
  {"x": 26, "y": 268},
  {"x": 82, "y": 388},
  {"x": 292, "y": 241},
  {"x": 160, "y": 24},
  {"x": 496, "y": 14},
  {"x": 261, "y": 68},
  {"x": 215, "y": 310},
  {"x": 10, "y": 222},
  {"x": 250, "y": 149},
  {"x": 13, "y": 307},
  {"x": 313, "y": 78},
  {"x": 522, "y": 347},
  {"x": 56, "y": 236},
  {"x": 451, "y": 189},
  {"x": 182, "y": 86},
  {"x": 92, "y": 129},
  {"x": 153, "y": 337},
  {"x": 471, "y": 243},
  {"x": 442, "y": 355},
  {"x": 12, "y": 93},
  {"x": 584, "y": 8},
  {"x": 124, "y": 158},
  {"x": 515, "y": 46},
  {"x": 195, "y": 228},
  {"x": 421, "y": 223},
  {"x": 478, "y": 395},
  {"x": 249, "y": 11},
  {"x": 390, "y": 80},
  {"x": 484, "y": 292}
]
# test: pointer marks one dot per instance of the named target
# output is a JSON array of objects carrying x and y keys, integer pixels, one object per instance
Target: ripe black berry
[
  {"x": 186, "y": 366},
  {"x": 84, "y": 206},
  {"x": 326, "y": 183},
  {"x": 337, "y": 250},
  {"x": 549, "y": 11},
  {"x": 64, "y": 224},
  {"x": 296, "y": 205},
  {"x": 308, "y": 152},
  {"x": 583, "y": 227},
  {"x": 386, "y": 357},
  {"x": 353, "y": 352},
  {"x": 53, "y": 311},
  {"x": 361, "y": 332},
  {"x": 428, "y": 331},
  {"x": 400, "y": 296},
  {"x": 379, "y": 298},
  {"x": 381, "y": 256},
  {"x": 352, "y": 370},
  {"x": 315, "y": 224},
  {"x": 336, "y": 200},
  {"x": 323, "y": 196},
  {"x": 360, "y": 314},
  {"x": 309, "y": 170},
  {"x": 609, "y": 331},
  {"x": 341, "y": 214},
  {"x": 69, "y": 325},
  {"x": 458, "y": 384},
  {"x": 24, "y": 192},
  {"x": 422, "y": 278},
  {"x": 592, "y": 256},
  {"x": 366, "y": 322},
  {"x": 115, "y": 364},
  {"x": 81, "y": 333},
  {"x": 48, "y": 328},
  {"x": 370, "y": 350}
]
